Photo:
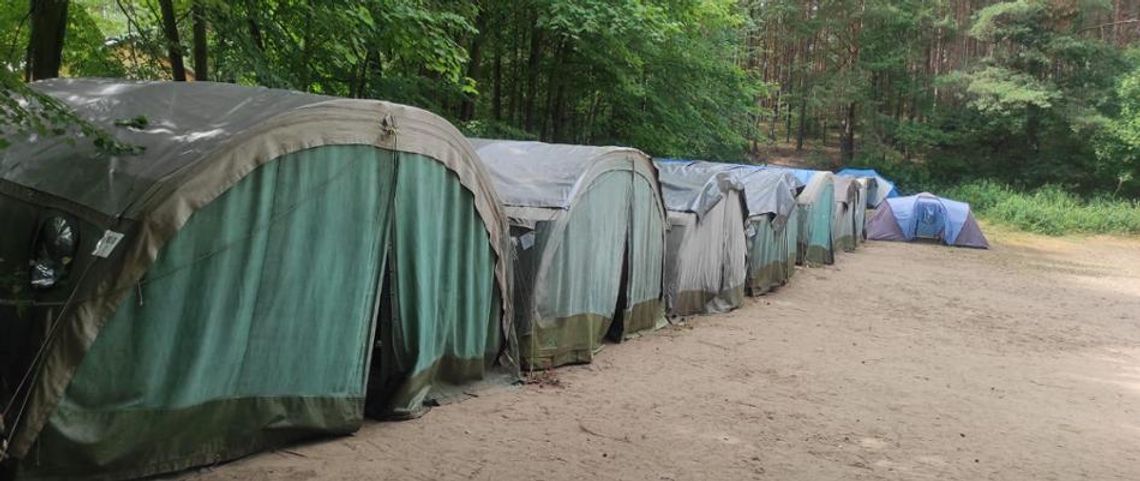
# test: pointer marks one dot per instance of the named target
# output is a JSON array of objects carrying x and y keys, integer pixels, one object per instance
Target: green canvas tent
[
  {"x": 263, "y": 266},
  {"x": 589, "y": 230},
  {"x": 816, "y": 219},
  {"x": 849, "y": 209},
  {"x": 706, "y": 250}
]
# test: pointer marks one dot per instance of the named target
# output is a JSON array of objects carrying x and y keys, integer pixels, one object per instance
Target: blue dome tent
[{"x": 926, "y": 216}]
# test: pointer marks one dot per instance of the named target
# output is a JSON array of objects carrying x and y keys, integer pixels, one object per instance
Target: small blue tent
[
  {"x": 926, "y": 216},
  {"x": 883, "y": 189}
]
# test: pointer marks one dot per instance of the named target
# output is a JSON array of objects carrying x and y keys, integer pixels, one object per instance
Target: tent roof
[
  {"x": 818, "y": 181},
  {"x": 538, "y": 174},
  {"x": 192, "y": 126},
  {"x": 886, "y": 188},
  {"x": 694, "y": 187},
  {"x": 804, "y": 176},
  {"x": 185, "y": 121},
  {"x": 846, "y": 189},
  {"x": 766, "y": 191}
]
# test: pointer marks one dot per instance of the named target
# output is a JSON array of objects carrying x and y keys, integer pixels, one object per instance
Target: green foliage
[
  {"x": 1000, "y": 91},
  {"x": 1049, "y": 210},
  {"x": 936, "y": 92}
]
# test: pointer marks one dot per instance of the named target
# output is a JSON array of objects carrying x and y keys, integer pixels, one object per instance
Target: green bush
[{"x": 1049, "y": 210}]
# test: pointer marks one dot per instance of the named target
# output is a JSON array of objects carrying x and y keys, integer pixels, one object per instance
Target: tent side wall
[
  {"x": 790, "y": 239},
  {"x": 767, "y": 258},
  {"x": 706, "y": 259},
  {"x": 645, "y": 308},
  {"x": 846, "y": 200},
  {"x": 816, "y": 239},
  {"x": 166, "y": 385},
  {"x": 446, "y": 329},
  {"x": 861, "y": 209},
  {"x": 575, "y": 276},
  {"x": 290, "y": 258}
]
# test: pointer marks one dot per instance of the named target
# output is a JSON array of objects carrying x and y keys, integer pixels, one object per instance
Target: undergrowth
[{"x": 1048, "y": 210}]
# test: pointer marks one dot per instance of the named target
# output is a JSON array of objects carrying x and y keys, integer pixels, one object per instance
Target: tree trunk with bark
[
  {"x": 201, "y": 67},
  {"x": 45, "y": 42}
]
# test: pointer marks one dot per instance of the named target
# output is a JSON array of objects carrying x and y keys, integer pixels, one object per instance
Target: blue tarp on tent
[{"x": 885, "y": 189}]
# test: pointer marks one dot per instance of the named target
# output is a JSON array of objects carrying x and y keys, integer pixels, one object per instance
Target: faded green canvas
[
  {"x": 844, "y": 226},
  {"x": 574, "y": 270},
  {"x": 645, "y": 310},
  {"x": 447, "y": 328},
  {"x": 790, "y": 240},
  {"x": 767, "y": 256},
  {"x": 816, "y": 239},
  {"x": 274, "y": 344}
]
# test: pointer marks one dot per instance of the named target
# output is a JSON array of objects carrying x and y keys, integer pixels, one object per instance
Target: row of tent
[{"x": 259, "y": 266}]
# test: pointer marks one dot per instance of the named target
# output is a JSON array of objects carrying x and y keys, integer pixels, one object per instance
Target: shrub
[{"x": 1049, "y": 210}]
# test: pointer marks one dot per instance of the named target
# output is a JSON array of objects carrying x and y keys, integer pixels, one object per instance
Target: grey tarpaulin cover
[
  {"x": 706, "y": 255},
  {"x": 538, "y": 174},
  {"x": 766, "y": 191},
  {"x": 694, "y": 187}
]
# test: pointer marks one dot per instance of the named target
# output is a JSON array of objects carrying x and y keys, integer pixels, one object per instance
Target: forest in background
[{"x": 1025, "y": 93}]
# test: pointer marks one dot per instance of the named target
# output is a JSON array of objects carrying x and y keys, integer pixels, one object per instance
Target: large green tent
[
  {"x": 260, "y": 266},
  {"x": 589, "y": 230},
  {"x": 706, "y": 252}
]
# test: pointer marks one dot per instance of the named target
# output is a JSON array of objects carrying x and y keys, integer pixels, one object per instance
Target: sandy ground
[{"x": 906, "y": 362}]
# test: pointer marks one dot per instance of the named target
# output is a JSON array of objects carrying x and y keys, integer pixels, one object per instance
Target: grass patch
[{"x": 1049, "y": 210}]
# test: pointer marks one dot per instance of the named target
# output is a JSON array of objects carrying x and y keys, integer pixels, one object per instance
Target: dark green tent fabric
[
  {"x": 274, "y": 345},
  {"x": 446, "y": 329}
]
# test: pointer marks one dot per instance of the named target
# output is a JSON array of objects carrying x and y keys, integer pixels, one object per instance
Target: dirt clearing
[{"x": 903, "y": 361}]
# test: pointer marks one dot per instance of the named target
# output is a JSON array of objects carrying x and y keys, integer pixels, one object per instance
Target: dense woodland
[{"x": 1026, "y": 92}]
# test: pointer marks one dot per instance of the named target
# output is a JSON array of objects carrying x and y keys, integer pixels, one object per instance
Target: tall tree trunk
[
  {"x": 45, "y": 42},
  {"x": 173, "y": 46},
  {"x": 497, "y": 87},
  {"x": 802, "y": 130},
  {"x": 847, "y": 145},
  {"x": 201, "y": 67},
  {"x": 533, "y": 63},
  {"x": 551, "y": 94},
  {"x": 475, "y": 64}
]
